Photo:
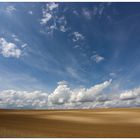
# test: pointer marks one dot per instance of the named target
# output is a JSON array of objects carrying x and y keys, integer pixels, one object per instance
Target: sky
[{"x": 69, "y": 55}]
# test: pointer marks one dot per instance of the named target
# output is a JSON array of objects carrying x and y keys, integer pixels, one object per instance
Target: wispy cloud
[
  {"x": 73, "y": 73},
  {"x": 77, "y": 36},
  {"x": 97, "y": 58},
  {"x": 24, "y": 45},
  {"x": 112, "y": 74},
  {"x": 100, "y": 9},
  {"x": 52, "y": 20},
  {"x": 15, "y": 38},
  {"x": 87, "y": 13},
  {"x": 48, "y": 12},
  {"x": 10, "y": 9}
]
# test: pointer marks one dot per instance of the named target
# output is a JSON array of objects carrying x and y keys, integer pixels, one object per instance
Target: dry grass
[{"x": 70, "y": 123}]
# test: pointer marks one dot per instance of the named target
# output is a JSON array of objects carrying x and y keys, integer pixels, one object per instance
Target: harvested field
[{"x": 70, "y": 123}]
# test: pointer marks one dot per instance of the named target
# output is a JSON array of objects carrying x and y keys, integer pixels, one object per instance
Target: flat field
[{"x": 95, "y": 123}]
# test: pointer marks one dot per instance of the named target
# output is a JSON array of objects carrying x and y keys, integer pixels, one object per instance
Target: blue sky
[{"x": 82, "y": 44}]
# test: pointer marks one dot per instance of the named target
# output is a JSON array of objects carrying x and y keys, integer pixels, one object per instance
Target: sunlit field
[{"x": 70, "y": 123}]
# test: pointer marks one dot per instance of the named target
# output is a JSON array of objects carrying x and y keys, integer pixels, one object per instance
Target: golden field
[{"x": 94, "y": 123}]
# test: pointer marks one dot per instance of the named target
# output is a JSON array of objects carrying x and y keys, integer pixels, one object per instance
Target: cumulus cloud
[
  {"x": 23, "y": 99},
  {"x": 90, "y": 94},
  {"x": 129, "y": 98},
  {"x": 66, "y": 97},
  {"x": 130, "y": 94},
  {"x": 62, "y": 97},
  {"x": 97, "y": 58},
  {"x": 9, "y": 49}
]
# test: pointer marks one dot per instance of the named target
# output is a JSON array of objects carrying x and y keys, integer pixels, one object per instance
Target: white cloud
[
  {"x": 60, "y": 95},
  {"x": 62, "y": 24},
  {"x": 97, "y": 58},
  {"x": 46, "y": 18},
  {"x": 8, "y": 49},
  {"x": 130, "y": 94},
  {"x": 78, "y": 39},
  {"x": 51, "y": 6},
  {"x": 48, "y": 12},
  {"x": 23, "y": 99},
  {"x": 62, "y": 82},
  {"x": 77, "y": 36},
  {"x": 90, "y": 94},
  {"x": 63, "y": 28},
  {"x": 65, "y": 97},
  {"x": 52, "y": 20}
]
